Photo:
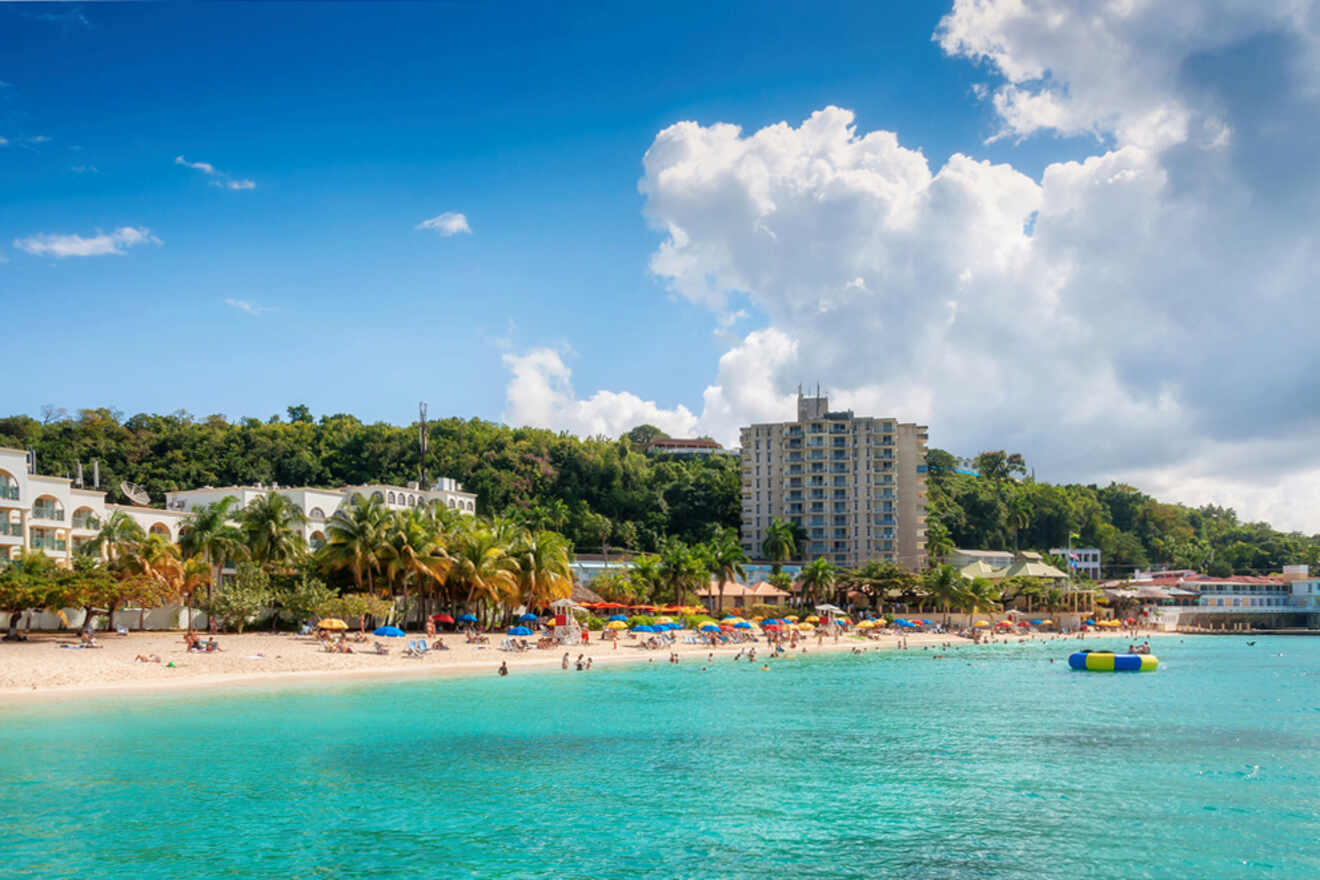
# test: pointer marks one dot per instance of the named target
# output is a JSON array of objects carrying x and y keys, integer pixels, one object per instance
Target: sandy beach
[{"x": 43, "y": 668}]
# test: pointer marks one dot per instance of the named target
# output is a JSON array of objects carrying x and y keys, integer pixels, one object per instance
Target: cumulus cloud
[
  {"x": 447, "y": 224},
  {"x": 100, "y": 244},
  {"x": 1142, "y": 312},
  {"x": 219, "y": 178},
  {"x": 249, "y": 308}
]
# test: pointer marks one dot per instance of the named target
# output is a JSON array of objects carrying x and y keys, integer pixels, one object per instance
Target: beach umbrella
[
  {"x": 879, "y": 621},
  {"x": 926, "y": 622},
  {"x": 792, "y": 618},
  {"x": 442, "y": 618},
  {"x": 1089, "y": 622},
  {"x": 729, "y": 618},
  {"x": 664, "y": 620},
  {"x": 771, "y": 626},
  {"x": 392, "y": 632},
  {"x": 866, "y": 624},
  {"x": 710, "y": 627},
  {"x": 1023, "y": 623},
  {"x": 618, "y": 617},
  {"x": 528, "y": 618},
  {"x": 805, "y": 627},
  {"x": 900, "y": 621},
  {"x": 1037, "y": 622},
  {"x": 331, "y": 623},
  {"x": 981, "y": 623},
  {"x": 742, "y": 624},
  {"x": 1129, "y": 620},
  {"x": 616, "y": 624},
  {"x": 906, "y": 623},
  {"x": 1045, "y": 621},
  {"x": 813, "y": 619},
  {"x": 467, "y": 618},
  {"x": 520, "y": 631},
  {"x": 643, "y": 628},
  {"x": 726, "y": 627}
]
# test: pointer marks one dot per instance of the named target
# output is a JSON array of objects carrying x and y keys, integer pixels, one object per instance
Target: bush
[
  {"x": 692, "y": 621},
  {"x": 243, "y": 599},
  {"x": 640, "y": 620},
  {"x": 767, "y": 611}
]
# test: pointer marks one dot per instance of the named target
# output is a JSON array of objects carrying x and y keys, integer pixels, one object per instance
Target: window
[
  {"x": 316, "y": 513},
  {"x": 379, "y": 497}
]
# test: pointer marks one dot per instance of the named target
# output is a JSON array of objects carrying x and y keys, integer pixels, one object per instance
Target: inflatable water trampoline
[{"x": 1108, "y": 661}]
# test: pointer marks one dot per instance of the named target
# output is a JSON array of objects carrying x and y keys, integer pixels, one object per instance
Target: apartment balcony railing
[
  {"x": 11, "y": 529},
  {"x": 49, "y": 544},
  {"x": 50, "y": 513},
  {"x": 8, "y": 493}
]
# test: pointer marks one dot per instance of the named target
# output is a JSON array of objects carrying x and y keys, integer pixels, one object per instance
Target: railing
[
  {"x": 11, "y": 529},
  {"x": 8, "y": 493},
  {"x": 49, "y": 544},
  {"x": 52, "y": 513}
]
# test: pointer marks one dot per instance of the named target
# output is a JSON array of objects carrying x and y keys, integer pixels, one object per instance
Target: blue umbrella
[
  {"x": 743, "y": 625},
  {"x": 643, "y": 628},
  {"x": 623, "y": 617},
  {"x": 391, "y": 631},
  {"x": 520, "y": 631},
  {"x": 527, "y": 618},
  {"x": 906, "y": 623},
  {"x": 466, "y": 618},
  {"x": 710, "y": 627},
  {"x": 1037, "y": 622},
  {"x": 1090, "y": 623},
  {"x": 899, "y": 621}
]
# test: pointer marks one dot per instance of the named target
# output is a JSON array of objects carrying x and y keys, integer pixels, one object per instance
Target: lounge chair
[{"x": 121, "y": 630}]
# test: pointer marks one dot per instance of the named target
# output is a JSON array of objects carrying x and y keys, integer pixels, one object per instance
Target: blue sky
[
  {"x": 1080, "y": 231},
  {"x": 356, "y": 122}
]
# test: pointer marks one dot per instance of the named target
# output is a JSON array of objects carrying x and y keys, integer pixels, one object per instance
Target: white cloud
[
  {"x": 246, "y": 307},
  {"x": 1142, "y": 313},
  {"x": 97, "y": 245},
  {"x": 38, "y": 139},
  {"x": 4, "y": 142},
  {"x": 447, "y": 224},
  {"x": 221, "y": 179}
]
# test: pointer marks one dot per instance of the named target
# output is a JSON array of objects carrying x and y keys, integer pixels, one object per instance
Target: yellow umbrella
[
  {"x": 616, "y": 624},
  {"x": 805, "y": 627},
  {"x": 332, "y": 623},
  {"x": 813, "y": 619},
  {"x": 1043, "y": 622},
  {"x": 881, "y": 621},
  {"x": 982, "y": 623},
  {"x": 865, "y": 624},
  {"x": 792, "y": 618}
]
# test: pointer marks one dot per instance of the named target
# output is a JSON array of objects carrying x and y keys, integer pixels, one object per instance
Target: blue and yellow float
[{"x": 1108, "y": 661}]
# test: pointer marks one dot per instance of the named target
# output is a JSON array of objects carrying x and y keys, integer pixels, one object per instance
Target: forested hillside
[
  {"x": 609, "y": 491},
  {"x": 594, "y": 491}
]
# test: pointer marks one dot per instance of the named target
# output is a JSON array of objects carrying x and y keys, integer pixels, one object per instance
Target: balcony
[
  {"x": 9, "y": 493},
  {"x": 54, "y": 514},
  {"x": 11, "y": 530},
  {"x": 44, "y": 543}
]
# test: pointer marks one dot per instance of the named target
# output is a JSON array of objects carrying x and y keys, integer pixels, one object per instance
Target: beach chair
[
  {"x": 508, "y": 644},
  {"x": 121, "y": 630}
]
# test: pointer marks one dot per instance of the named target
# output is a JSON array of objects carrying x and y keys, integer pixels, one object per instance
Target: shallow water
[{"x": 992, "y": 763}]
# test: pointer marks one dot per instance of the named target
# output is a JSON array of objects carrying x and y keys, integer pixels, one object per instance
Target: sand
[{"x": 43, "y": 668}]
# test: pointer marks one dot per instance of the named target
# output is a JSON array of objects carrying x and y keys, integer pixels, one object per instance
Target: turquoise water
[{"x": 993, "y": 763}]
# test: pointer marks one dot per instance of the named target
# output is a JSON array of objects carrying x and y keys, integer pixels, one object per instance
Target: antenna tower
[{"x": 421, "y": 448}]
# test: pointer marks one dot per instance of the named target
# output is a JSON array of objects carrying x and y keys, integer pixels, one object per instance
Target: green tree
[
  {"x": 816, "y": 578},
  {"x": 208, "y": 533},
  {"x": 355, "y": 537},
  {"x": 780, "y": 544},
  {"x": 271, "y": 526},
  {"x": 240, "y": 602},
  {"x": 727, "y": 560}
]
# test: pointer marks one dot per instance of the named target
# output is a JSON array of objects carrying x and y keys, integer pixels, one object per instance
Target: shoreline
[{"x": 36, "y": 671}]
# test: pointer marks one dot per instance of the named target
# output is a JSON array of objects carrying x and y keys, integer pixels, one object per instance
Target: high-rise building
[{"x": 857, "y": 485}]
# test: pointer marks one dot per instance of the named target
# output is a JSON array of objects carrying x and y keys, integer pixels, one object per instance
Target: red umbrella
[
  {"x": 1023, "y": 623},
  {"x": 442, "y": 618},
  {"x": 1130, "y": 620}
]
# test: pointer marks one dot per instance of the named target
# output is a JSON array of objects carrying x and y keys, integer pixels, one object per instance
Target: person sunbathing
[
  {"x": 439, "y": 645},
  {"x": 381, "y": 649},
  {"x": 147, "y": 658}
]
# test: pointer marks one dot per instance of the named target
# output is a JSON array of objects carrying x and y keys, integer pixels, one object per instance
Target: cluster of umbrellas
[{"x": 1109, "y": 622}]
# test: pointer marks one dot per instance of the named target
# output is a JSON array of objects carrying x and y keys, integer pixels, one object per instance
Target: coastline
[{"x": 41, "y": 670}]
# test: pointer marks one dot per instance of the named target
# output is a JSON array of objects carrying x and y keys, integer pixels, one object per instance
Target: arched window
[
  {"x": 84, "y": 518},
  {"x": 451, "y": 502},
  {"x": 316, "y": 513},
  {"x": 8, "y": 487},
  {"x": 160, "y": 529},
  {"x": 317, "y": 540},
  {"x": 412, "y": 500},
  {"x": 48, "y": 507},
  {"x": 377, "y": 496},
  {"x": 391, "y": 498}
]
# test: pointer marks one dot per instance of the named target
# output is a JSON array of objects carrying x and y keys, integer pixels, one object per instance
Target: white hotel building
[{"x": 53, "y": 515}]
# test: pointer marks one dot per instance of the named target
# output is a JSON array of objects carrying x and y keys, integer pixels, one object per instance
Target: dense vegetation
[
  {"x": 609, "y": 492},
  {"x": 595, "y": 491}
]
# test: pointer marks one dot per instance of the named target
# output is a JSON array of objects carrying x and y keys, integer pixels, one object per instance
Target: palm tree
[
  {"x": 780, "y": 544},
  {"x": 1017, "y": 515},
  {"x": 271, "y": 526},
  {"x": 945, "y": 586},
  {"x": 118, "y": 534},
  {"x": 481, "y": 567},
  {"x": 939, "y": 544},
  {"x": 816, "y": 576},
  {"x": 980, "y": 595},
  {"x": 411, "y": 551},
  {"x": 354, "y": 536},
  {"x": 727, "y": 559},
  {"x": 543, "y": 568},
  {"x": 209, "y": 534}
]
